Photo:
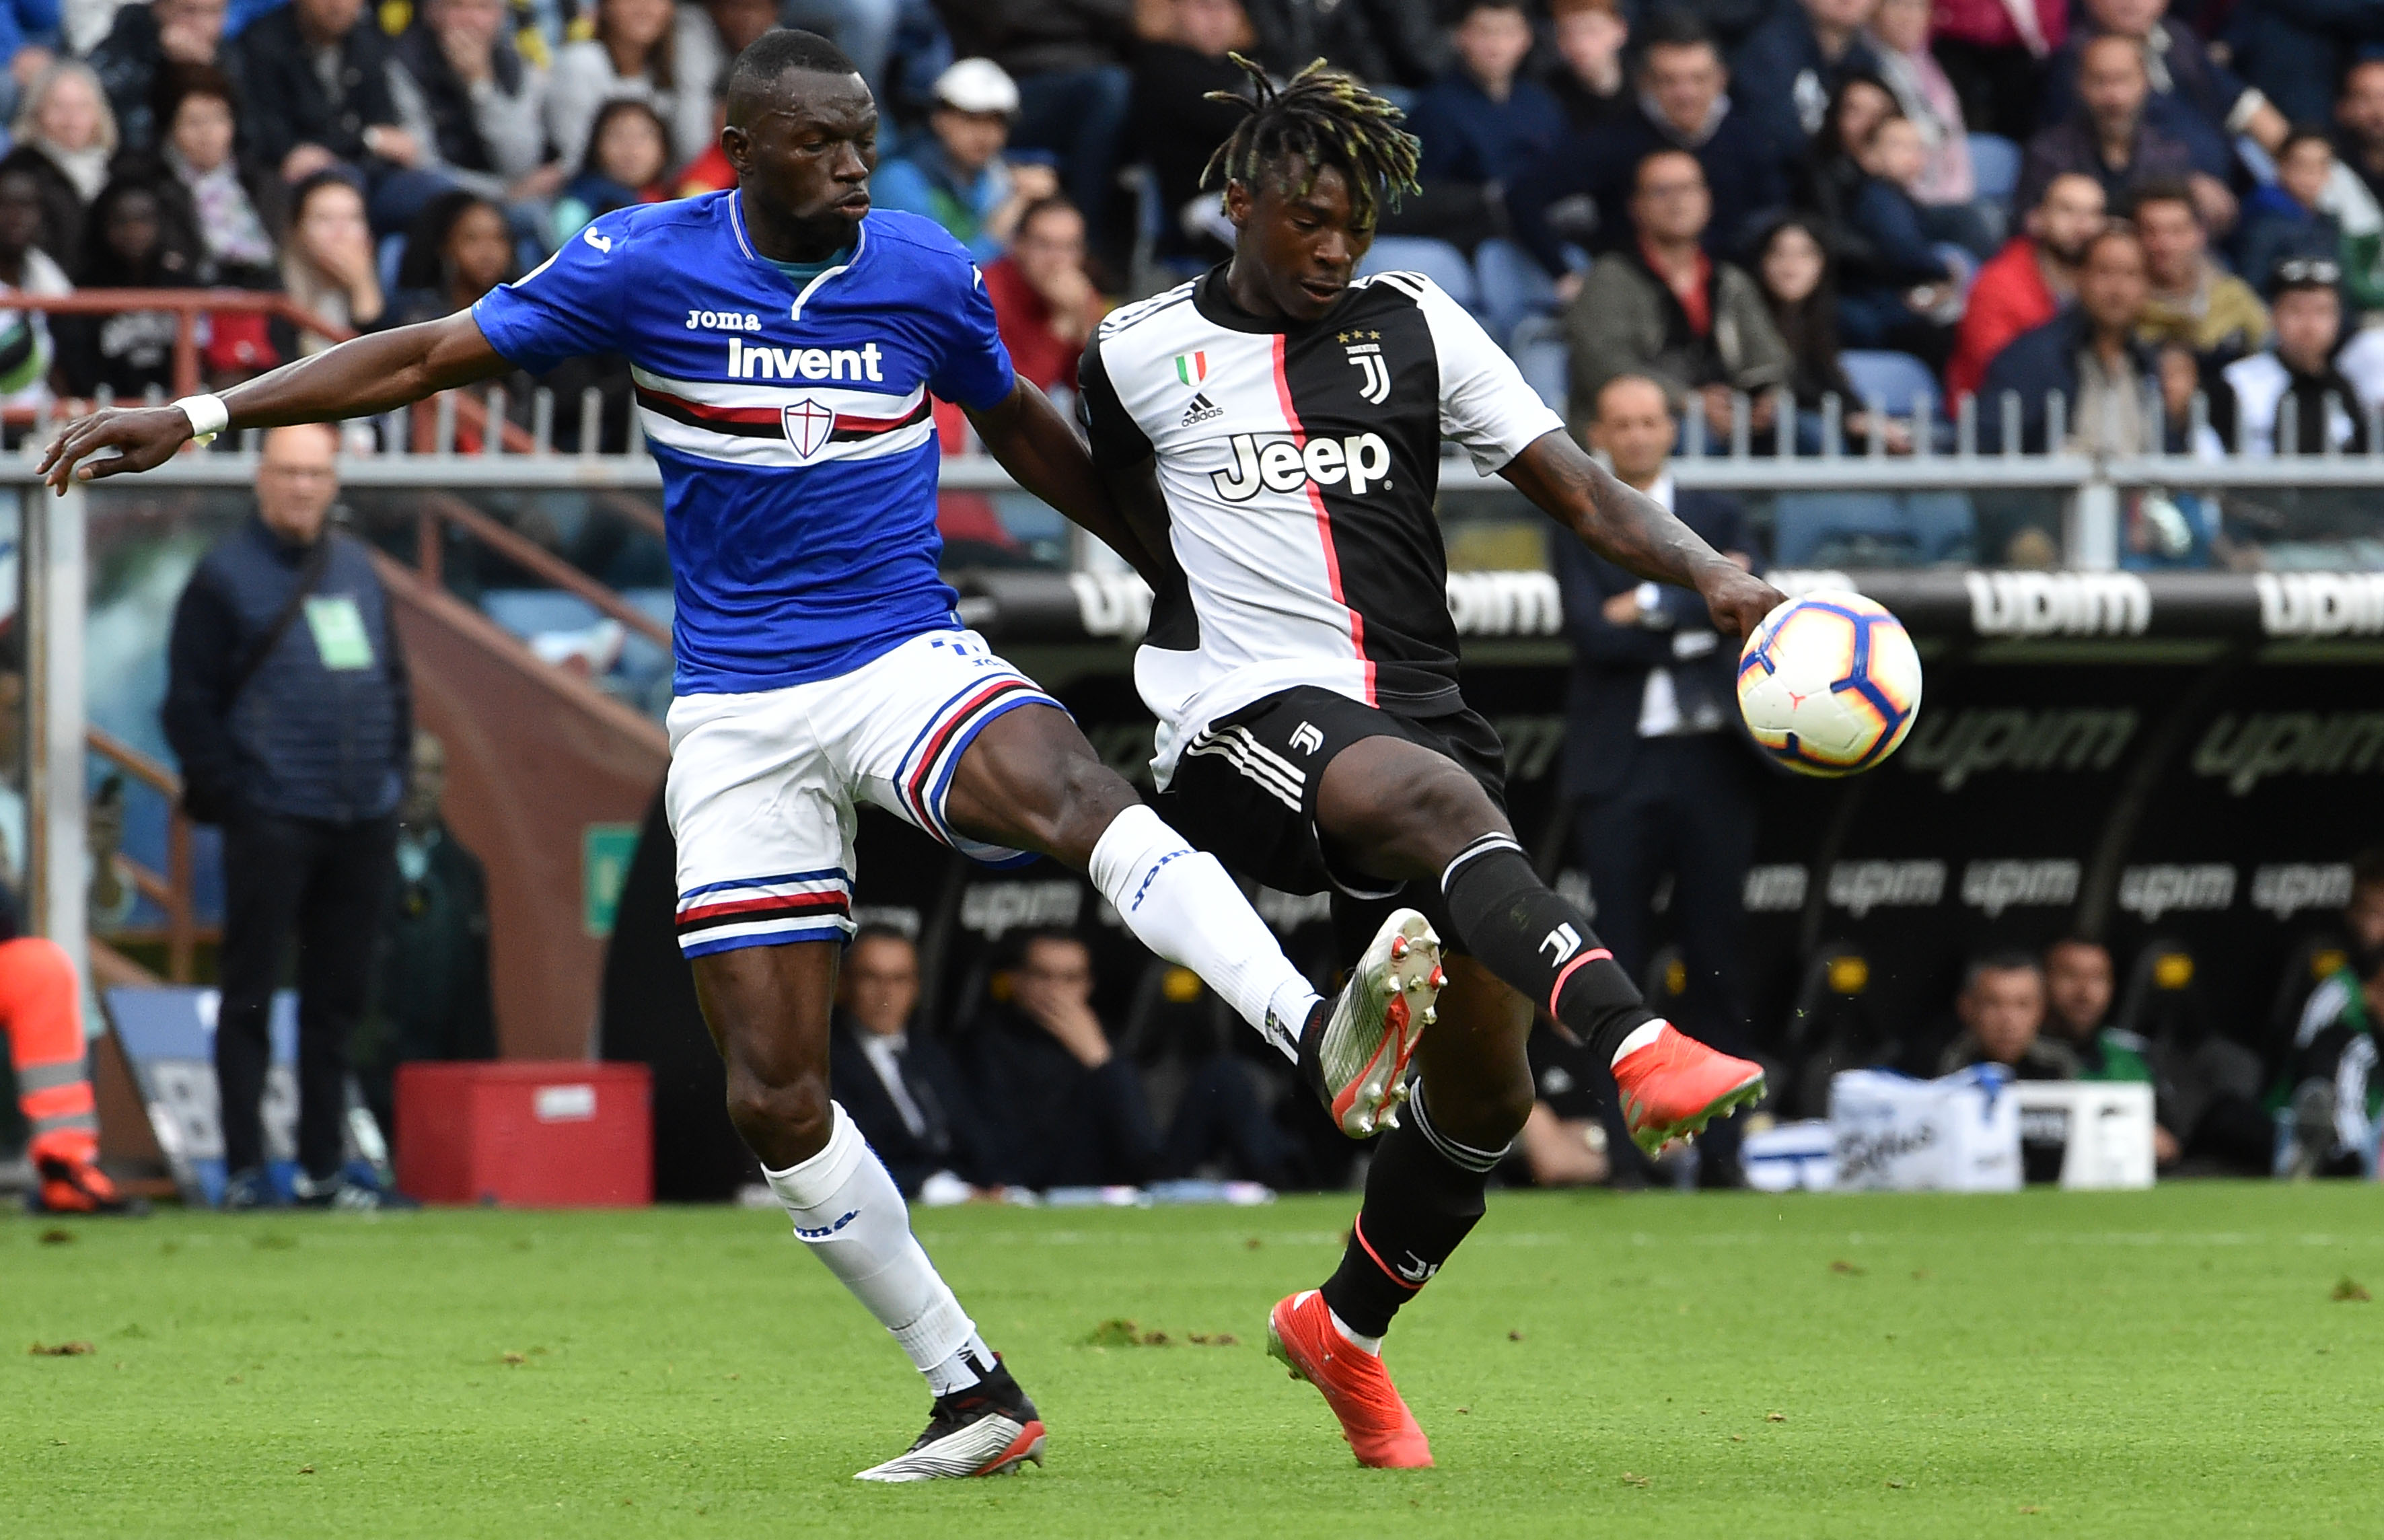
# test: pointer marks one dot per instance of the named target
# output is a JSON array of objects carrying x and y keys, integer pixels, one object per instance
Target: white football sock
[
  {"x": 1641, "y": 1035},
  {"x": 971, "y": 1362},
  {"x": 1180, "y": 904},
  {"x": 851, "y": 1214},
  {"x": 1358, "y": 1340}
]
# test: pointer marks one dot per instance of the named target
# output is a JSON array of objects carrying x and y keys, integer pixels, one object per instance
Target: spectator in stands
[
  {"x": 1073, "y": 88},
  {"x": 628, "y": 152},
  {"x": 1394, "y": 44},
  {"x": 1790, "y": 67},
  {"x": 326, "y": 264},
  {"x": 2293, "y": 386},
  {"x": 1581, "y": 191},
  {"x": 2359, "y": 124},
  {"x": 2091, "y": 356},
  {"x": 1481, "y": 125},
  {"x": 1830, "y": 173},
  {"x": 139, "y": 239},
  {"x": 1665, "y": 309},
  {"x": 1994, "y": 53},
  {"x": 314, "y": 78},
  {"x": 429, "y": 996},
  {"x": 463, "y": 93},
  {"x": 1589, "y": 80},
  {"x": 1899, "y": 40},
  {"x": 2193, "y": 97},
  {"x": 707, "y": 37},
  {"x": 1902, "y": 293},
  {"x": 959, "y": 177},
  {"x": 2027, "y": 282},
  {"x": 143, "y": 41},
  {"x": 895, "y": 1081},
  {"x": 1792, "y": 270},
  {"x": 2289, "y": 216},
  {"x": 1175, "y": 128},
  {"x": 2194, "y": 300},
  {"x": 459, "y": 248},
  {"x": 26, "y": 350},
  {"x": 2077, "y": 992},
  {"x": 66, "y": 117},
  {"x": 631, "y": 55},
  {"x": 287, "y": 703},
  {"x": 2107, "y": 138},
  {"x": 2000, "y": 1010},
  {"x": 1043, "y": 302},
  {"x": 2336, "y": 1095},
  {"x": 1661, "y": 787},
  {"x": 1061, "y": 1109},
  {"x": 235, "y": 208}
]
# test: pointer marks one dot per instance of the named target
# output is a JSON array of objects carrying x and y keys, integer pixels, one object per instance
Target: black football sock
[
  {"x": 1423, "y": 1194},
  {"x": 1540, "y": 944}
]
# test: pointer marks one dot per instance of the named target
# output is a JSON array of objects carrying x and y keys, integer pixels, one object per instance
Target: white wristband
[{"x": 208, "y": 416}]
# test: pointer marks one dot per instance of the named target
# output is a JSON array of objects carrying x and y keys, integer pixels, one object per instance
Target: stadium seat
[
  {"x": 1891, "y": 382},
  {"x": 1540, "y": 352},
  {"x": 1870, "y": 528},
  {"x": 1514, "y": 289},
  {"x": 1436, "y": 260},
  {"x": 1994, "y": 163}
]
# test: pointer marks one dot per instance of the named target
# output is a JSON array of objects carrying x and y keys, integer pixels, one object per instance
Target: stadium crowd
[{"x": 2122, "y": 201}]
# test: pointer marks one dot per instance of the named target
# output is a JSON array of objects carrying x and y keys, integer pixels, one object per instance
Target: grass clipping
[{"x": 1119, "y": 1332}]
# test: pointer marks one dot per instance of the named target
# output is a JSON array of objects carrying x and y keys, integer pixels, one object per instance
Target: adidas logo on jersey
[
  {"x": 1273, "y": 463},
  {"x": 1201, "y": 410}
]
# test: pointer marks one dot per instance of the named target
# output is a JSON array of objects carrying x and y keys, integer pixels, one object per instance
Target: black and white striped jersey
[{"x": 1299, "y": 468}]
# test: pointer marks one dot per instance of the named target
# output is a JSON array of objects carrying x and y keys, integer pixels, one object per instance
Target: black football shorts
[{"x": 1244, "y": 791}]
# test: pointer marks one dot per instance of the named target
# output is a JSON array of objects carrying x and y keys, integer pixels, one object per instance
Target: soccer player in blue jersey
[{"x": 785, "y": 341}]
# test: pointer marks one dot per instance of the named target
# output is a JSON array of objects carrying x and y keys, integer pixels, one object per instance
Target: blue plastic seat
[
  {"x": 1436, "y": 260},
  {"x": 1540, "y": 352},
  {"x": 1514, "y": 289},
  {"x": 1994, "y": 162},
  {"x": 1891, "y": 382}
]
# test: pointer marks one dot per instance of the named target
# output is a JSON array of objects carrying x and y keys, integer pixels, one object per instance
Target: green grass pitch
[{"x": 2167, "y": 1363}]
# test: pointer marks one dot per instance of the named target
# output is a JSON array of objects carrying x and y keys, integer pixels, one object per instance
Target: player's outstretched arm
[
  {"x": 1040, "y": 448},
  {"x": 1637, "y": 532},
  {"x": 370, "y": 373}
]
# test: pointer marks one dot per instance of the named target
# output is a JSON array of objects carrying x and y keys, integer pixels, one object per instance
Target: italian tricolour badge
[{"x": 1191, "y": 367}]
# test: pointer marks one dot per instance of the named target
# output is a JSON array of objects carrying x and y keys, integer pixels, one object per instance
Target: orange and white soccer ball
[{"x": 1829, "y": 684}]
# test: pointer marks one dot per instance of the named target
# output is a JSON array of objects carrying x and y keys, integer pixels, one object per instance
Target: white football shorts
[{"x": 763, "y": 788}]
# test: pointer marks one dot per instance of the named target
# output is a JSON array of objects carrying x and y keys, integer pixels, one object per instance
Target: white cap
[{"x": 978, "y": 85}]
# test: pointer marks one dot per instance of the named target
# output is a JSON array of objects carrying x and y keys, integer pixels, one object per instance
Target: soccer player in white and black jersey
[{"x": 1277, "y": 426}]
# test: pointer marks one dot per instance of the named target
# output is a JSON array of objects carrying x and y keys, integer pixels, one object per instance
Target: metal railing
[{"x": 171, "y": 890}]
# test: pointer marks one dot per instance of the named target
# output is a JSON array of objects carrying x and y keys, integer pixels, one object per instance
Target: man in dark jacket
[
  {"x": 472, "y": 109},
  {"x": 1068, "y": 57},
  {"x": 893, "y": 1079},
  {"x": 1660, "y": 783},
  {"x": 287, "y": 703},
  {"x": 144, "y": 42},
  {"x": 316, "y": 74},
  {"x": 2090, "y": 355},
  {"x": 1790, "y": 67},
  {"x": 2108, "y": 136},
  {"x": 1580, "y": 191}
]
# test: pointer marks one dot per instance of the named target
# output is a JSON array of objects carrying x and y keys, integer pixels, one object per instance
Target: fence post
[
  {"x": 2092, "y": 540},
  {"x": 56, "y": 821},
  {"x": 180, "y": 927}
]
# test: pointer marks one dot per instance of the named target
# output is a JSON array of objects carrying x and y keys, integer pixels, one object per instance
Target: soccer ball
[{"x": 1829, "y": 684}]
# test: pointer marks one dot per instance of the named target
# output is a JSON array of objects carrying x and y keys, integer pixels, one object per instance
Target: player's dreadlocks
[{"x": 1323, "y": 117}]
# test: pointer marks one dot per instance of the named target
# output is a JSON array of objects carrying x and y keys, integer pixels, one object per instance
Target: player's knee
[
  {"x": 1426, "y": 817},
  {"x": 784, "y": 1112},
  {"x": 1088, "y": 797}
]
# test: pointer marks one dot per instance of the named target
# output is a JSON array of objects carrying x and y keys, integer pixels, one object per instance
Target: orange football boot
[
  {"x": 1376, "y": 1422},
  {"x": 1673, "y": 1086}
]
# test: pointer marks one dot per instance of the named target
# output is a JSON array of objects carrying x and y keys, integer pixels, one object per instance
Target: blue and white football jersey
[{"x": 792, "y": 427}]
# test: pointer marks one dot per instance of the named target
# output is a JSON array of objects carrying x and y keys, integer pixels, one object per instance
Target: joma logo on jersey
[
  {"x": 748, "y": 362},
  {"x": 723, "y": 321},
  {"x": 1273, "y": 463}
]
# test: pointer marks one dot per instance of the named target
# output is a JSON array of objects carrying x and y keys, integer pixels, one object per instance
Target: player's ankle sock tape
[
  {"x": 850, "y": 1215},
  {"x": 1180, "y": 904},
  {"x": 1536, "y": 941},
  {"x": 968, "y": 1364},
  {"x": 1419, "y": 1206}
]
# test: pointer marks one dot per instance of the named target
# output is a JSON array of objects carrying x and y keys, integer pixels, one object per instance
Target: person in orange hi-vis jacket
[{"x": 41, "y": 1012}]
